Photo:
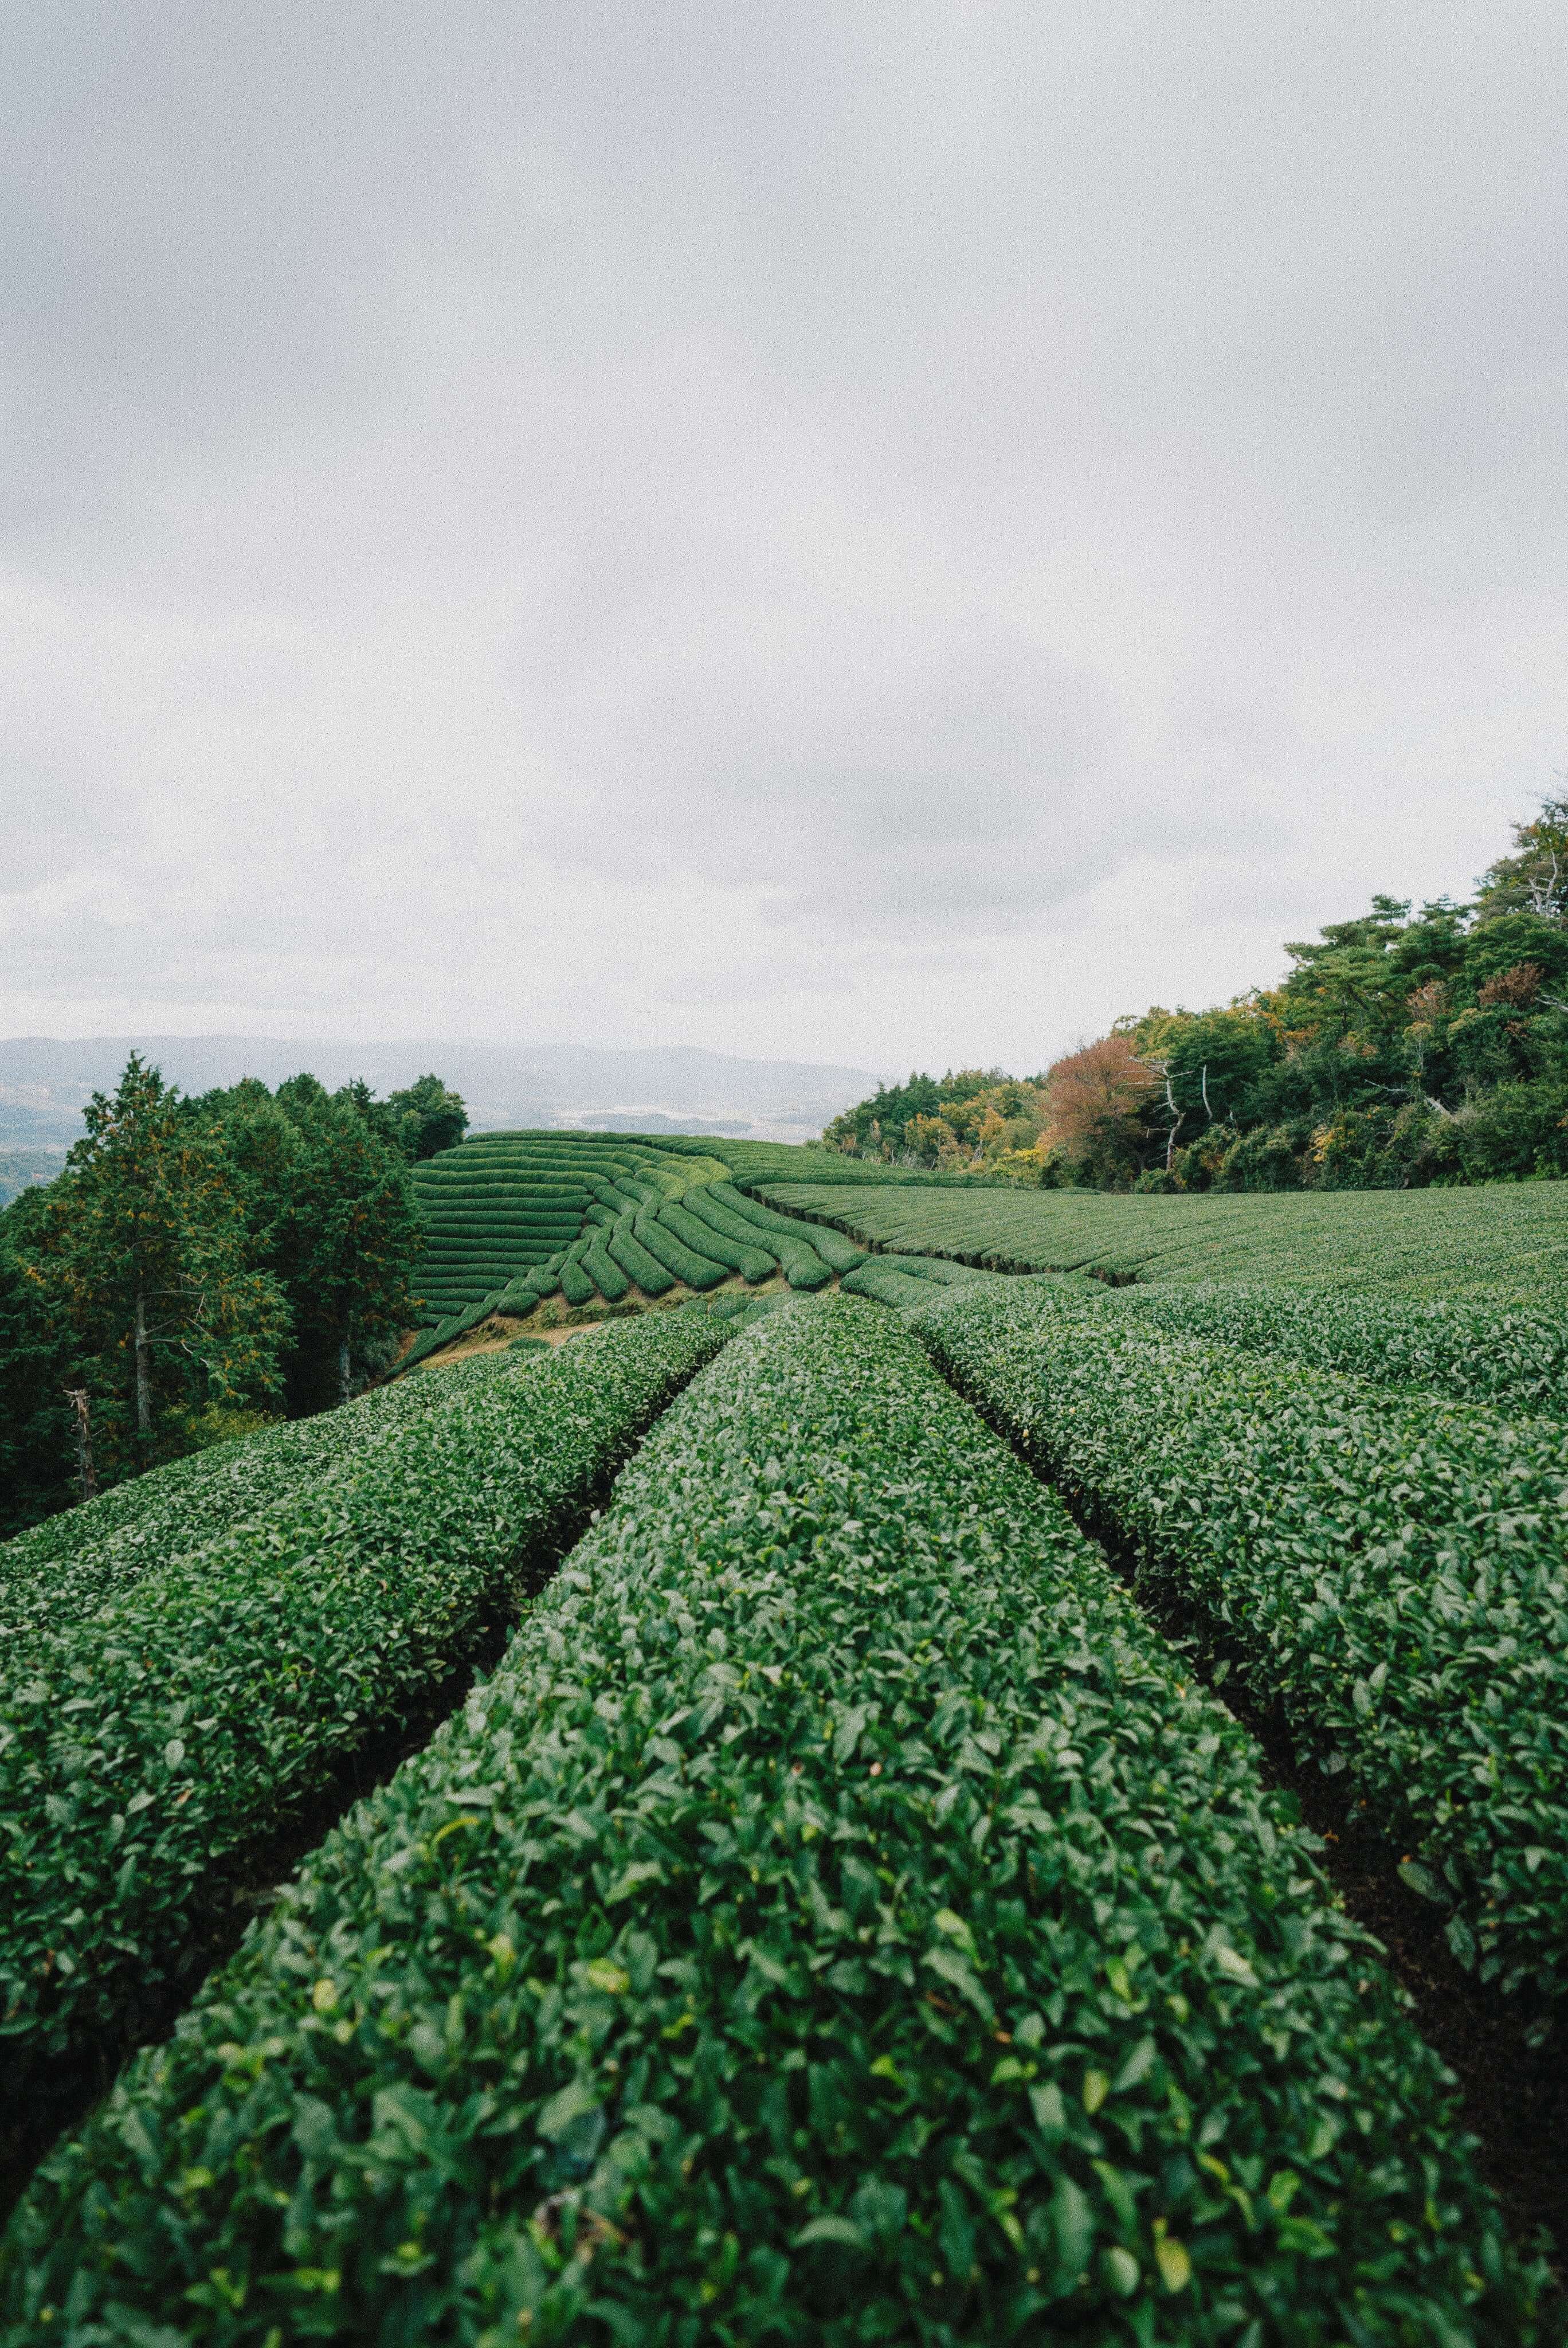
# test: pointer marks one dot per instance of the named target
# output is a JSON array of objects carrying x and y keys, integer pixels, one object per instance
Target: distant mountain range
[{"x": 668, "y": 1088}]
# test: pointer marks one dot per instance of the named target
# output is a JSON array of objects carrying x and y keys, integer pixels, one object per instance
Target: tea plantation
[
  {"x": 511, "y": 1218},
  {"x": 1507, "y": 1240},
  {"x": 732, "y": 1849}
]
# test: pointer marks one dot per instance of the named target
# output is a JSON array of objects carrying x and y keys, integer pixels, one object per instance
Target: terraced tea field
[
  {"x": 1507, "y": 1240},
  {"x": 513, "y": 1218},
  {"x": 745, "y": 1817}
]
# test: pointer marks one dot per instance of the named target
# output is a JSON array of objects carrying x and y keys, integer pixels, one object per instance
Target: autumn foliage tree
[{"x": 1097, "y": 1105}]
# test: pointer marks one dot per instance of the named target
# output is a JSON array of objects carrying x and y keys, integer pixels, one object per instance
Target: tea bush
[
  {"x": 838, "y": 1920},
  {"x": 146, "y": 1754}
]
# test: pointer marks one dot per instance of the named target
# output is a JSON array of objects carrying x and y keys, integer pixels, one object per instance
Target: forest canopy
[
  {"x": 202, "y": 1264},
  {"x": 1403, "y": 1046}
]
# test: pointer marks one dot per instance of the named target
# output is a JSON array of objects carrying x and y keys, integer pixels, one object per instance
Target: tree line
[
  {"x": 1403, "y": 1048},
  {"x": 201, "y": 1265}
]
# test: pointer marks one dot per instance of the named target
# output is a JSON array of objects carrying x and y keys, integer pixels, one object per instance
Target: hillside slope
[
  {"x": 512, "y": 1218},
  {"x": 1507, "y": 1240}
]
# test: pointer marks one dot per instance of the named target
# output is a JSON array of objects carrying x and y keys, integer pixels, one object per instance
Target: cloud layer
[{"x": 888, "y": 533}]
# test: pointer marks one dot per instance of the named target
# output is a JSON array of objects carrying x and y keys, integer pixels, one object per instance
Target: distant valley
[{"x": 45, "y": 1083}]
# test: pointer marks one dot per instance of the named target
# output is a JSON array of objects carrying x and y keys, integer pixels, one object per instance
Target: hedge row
[
  {"x": 40, "y": 1593},
  {"x": 1502, "y": 1355},
  {"x": 449, "y": 1266},
  {"x": 603, "y": 1271},
  {"x": 612, "y": 1195},
  {"x": 698, "y": 1271},
  {"x": 508, "y": 1215},
  {"x": 837, "y": 1920},
  {"x": 487, "y": 1185},
  {"x": 881, "y": 1280},
  {"x": 543, "y": 1242},
  {"x": 906, "y": 1282},
  {"x": 1391, "y": 1570},
  {"x": 575, "y": 1283},
  {"x": 703, "y": 1237},
  {"x": 61, "y": 1536},
  {"x": 300, "y": 1445},
  {"x": 146, "y": 1756},
  {"x": 627, "y": 1250},
  {"x": 839, "y": 1254},
  {"x": 723, "y": 1206}
]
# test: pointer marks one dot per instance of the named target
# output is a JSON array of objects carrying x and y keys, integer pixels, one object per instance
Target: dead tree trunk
[
  {"x": 78, "y": 1398},
  {"x": 344, "y": 1378},
  {"x": 1177, "y": 1116},
  {"x": 143, "y": 1373}
]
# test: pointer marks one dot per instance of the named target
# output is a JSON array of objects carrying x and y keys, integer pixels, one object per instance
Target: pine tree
[{"x": 142, "y": 1245}]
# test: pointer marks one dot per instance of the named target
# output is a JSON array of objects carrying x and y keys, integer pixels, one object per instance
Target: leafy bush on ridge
[
  {"x": 1391, "y": 1570},
  {"x": 836, "y": 1921},
  {"x": 45, "y": 1585},
  {"x": 144, "y": 1754},
  {"x": 1506, "y": 1355},
  {"x": 1499, "y": 1245}
]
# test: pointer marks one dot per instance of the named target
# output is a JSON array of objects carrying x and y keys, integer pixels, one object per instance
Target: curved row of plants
[
  {"x": 636, "y": 1232},
  {"x": 838, "y": 1919},
  {"x": 70, "y": 1564},
  {"x": 1389, "y": 1568},
  {"x": 906, "y": 1282},
  {"x": 1510, "y": 1241},
  {"x": 149, "y": 1754},
  {"x": 503, "y": 1204}
]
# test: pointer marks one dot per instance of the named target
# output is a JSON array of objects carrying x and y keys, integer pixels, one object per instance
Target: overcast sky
[{"x": 879, "y": 533}]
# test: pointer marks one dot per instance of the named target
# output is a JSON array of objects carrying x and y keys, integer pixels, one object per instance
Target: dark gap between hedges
[
  {"x": 1514, "y": 2096},
  {"x": 239, "y": 1894}
]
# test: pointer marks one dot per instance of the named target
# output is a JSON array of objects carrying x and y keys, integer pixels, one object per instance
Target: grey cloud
[{"x": 787, "y": 517}]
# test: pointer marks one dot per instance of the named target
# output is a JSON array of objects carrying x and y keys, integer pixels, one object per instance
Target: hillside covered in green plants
[
  {"x": 1404, "y": 1047},
  {"x": 1506, "y": 1242},
  {"x": 682, "y": 1814},
  {"x": 834, "y": 1904},
  {"x": 662, "y": 1738}
]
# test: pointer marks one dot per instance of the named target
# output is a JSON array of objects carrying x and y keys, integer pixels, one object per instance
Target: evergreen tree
[
  {"x": 142, "y": 1249},
  {"x": 331, "y": 1209},
  {"x": 1534, "y": 878},
  {"x": 426, "y": 1117},
  {"x": 37, "y": 1364}
]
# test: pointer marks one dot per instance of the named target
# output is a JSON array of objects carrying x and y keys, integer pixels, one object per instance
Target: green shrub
[
  {"x": 881, "y": 1279},
  {"x": 1389, "y": 1569},
  {"x": 703, "y": 1237},
  {"x": 1268, "y": 1159},
  {"x": 698, "y": 1271},
  {"x": 604, "y": 1271},
  {"x": 905, "y": 1282},
  {"x": 838, "y": 1920},
  {"x": 626, "y": 1249},
  {"x": 576, "y": 1286},
  {"x": 49, "y": 1580},
  {"x": 798, "y": 1260},
  {"x": 1503, "y": 1355},
  {"x": 148, "y": 1754},
  {"x": 839, "y": 1254}
]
